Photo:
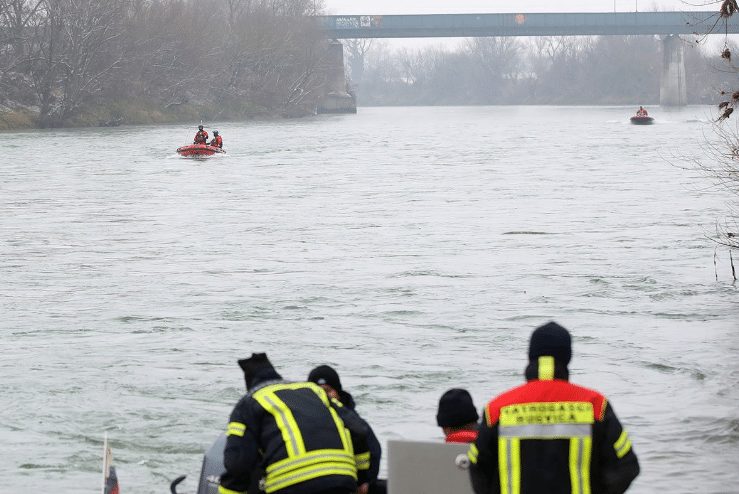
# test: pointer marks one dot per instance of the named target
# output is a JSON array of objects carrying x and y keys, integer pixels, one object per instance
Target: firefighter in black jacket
[
  {"x": 549, "y": 435},
  {"x": 304, "y": 442}
]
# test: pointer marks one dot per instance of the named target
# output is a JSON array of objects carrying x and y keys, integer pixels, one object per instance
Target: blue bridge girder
[{"x": 522, "y": 24}]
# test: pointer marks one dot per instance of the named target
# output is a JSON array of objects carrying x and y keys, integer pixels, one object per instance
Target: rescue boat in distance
[
  {"x": 199, "y": 150},
  {"x": 641, "y": 120}
]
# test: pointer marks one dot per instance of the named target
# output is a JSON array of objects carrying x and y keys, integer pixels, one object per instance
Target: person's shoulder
[
  {"x": 509, "y": 393},
  {"x": 585, "y": 389}
]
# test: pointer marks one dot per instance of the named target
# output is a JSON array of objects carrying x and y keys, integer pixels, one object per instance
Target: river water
[{"x": 414, "y": 249}]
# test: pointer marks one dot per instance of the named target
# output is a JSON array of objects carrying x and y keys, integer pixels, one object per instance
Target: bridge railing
[{"x": 534, "y": 24}]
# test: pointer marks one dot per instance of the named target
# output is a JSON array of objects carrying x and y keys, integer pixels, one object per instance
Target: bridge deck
[{"x": 563, "y": 24}]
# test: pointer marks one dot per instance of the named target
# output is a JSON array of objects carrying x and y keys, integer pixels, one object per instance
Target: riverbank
[{"x": 114, "y": 113}]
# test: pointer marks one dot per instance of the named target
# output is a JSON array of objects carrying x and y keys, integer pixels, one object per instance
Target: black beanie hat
[
  {"x": 323, "y": 374},
  {"x": 254, "y": 365},
  {"x": 552, "y": 340},
  {"x": 456, "y": 409}
]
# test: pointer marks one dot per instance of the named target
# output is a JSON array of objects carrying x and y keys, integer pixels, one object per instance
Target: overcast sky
[{"x": 387, "y": 7}]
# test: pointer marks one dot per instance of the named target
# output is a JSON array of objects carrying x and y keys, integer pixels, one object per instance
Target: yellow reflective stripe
[
  {"x": 587, "y": 454},
  {"x": 363, "y": 461},
  {"x": 284, "y": 418},
  {"x": 503, "y": 465},
  {"x": 472, "y": 453},
  {"x": 313, "y": 465},
  {"x": 575, "y": 461},
  {"x": 580, "y": 451},
  {"x": 308, "y": 474},
  {"x": 313, "y": 458},
  {"x": 515, "y": 459},
  {"x": 223, "y": 490},
  {"x": 321, "y": 393},
  {"x": 560, "y": 412},
  {"x": 622, "y": 445},
  {"x": 546, "y": 368},
  {"x": 236, "y": 429},
  {"x": 346, "y": 438},
  {"x": 509, "y": 465}
]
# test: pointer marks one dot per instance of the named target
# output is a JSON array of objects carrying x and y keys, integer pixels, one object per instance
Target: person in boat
[
  {"x": 549, "y": 435},
  {"x": 202, "y": 136},
  {"x": 327, "y": 378},
  {"x": 641, "y": 112},
  {"x": 217, "y": 141},
  {"x": 457, "y": 416},
  {"x": 305, "y": 442}
]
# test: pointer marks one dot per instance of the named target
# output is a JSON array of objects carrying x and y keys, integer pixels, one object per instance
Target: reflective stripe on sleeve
[
  {"x": 363, "y": 461},
  {"x": 473, "y": 453},
  {"x": 223, "y": 490},
  {"x": 623, "y": 444},
  {"x": 236, "y": 429}
]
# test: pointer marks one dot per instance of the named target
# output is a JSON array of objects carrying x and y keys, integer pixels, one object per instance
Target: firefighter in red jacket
[
  {"x": 549, "y": 435},
  {"x": 217, "y": 140},
  {"x": 457, "y": 416},
  {"x": 202, "y": 136}
]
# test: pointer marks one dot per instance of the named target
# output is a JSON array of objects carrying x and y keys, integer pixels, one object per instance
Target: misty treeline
[
  {"x": 63, "y": 57},
  {"x": 543, "y": 70}
]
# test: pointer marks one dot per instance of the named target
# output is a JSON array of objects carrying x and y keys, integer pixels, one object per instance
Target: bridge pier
[
  {"x": 335, "y": 97},
  {"x": 672, "y": 89}
]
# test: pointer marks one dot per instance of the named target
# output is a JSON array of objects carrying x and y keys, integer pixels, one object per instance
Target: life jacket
[
  {"x": 201, "y": 137},
  {"x": 462, "y": 437},
  {"x": 217, "y": 142}
]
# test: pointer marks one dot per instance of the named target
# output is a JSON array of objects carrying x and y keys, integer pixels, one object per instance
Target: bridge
[
  {"x": 564, "y": 24},
  {"x": 667, "y": 24}
]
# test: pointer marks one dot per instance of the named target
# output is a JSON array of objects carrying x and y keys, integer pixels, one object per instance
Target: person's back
[
  {"x": 326, "y": 377},
  {"x": 217, "y": 140},
  {"x": 294, "y": 432},
  {"x": 549, "y": 435},
  {"x": 201, "y": 137}
]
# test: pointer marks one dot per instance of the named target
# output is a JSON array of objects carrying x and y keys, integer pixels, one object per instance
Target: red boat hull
[
  {"x": 641, "y": 120},
  {"x": 199, "y": 150}
]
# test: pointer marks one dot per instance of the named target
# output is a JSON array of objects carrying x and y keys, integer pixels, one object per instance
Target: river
[{"x": 413, "y": 249}]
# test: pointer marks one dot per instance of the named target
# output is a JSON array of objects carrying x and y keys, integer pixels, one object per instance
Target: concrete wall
[
  {"x": 336, "y": 99},
  {"x": 672, "y": 89}
]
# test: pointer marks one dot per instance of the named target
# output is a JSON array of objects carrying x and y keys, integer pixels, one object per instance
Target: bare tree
[
  {"x": 76, "y": 52},
  {"x": 495, "y": 61},
  {"x": 722, "y": 165},
  {"x": 357, "y": 48}
]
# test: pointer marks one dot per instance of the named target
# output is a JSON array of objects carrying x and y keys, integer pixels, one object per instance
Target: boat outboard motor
[
  {"x": 210, "y": 473},
  {"x": 212, "y": 466}
]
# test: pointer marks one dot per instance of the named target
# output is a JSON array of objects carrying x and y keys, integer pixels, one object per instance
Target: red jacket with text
[{"x": 551, "y": 436}]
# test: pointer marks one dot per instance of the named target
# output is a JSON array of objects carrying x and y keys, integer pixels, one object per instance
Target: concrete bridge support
[
  {"x": 672, "y": 89},
  {"x": 335, "y": 98}
]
